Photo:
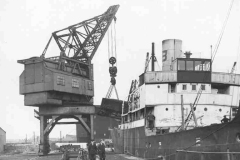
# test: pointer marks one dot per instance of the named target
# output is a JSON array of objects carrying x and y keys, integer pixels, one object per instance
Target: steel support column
[
  {"x": 92, "y": 127},
  {"x": 51, "y": 124},
  {"x": 44, "y": 143},
  {"x": 83, "y": 123},
  {"x": 46, "y": 127}
]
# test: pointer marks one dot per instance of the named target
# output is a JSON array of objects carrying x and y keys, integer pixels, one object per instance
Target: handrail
[{"x": 207, "y": 152}]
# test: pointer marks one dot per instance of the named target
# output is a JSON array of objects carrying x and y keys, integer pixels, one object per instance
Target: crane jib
[{"x": 80, "y": 41}]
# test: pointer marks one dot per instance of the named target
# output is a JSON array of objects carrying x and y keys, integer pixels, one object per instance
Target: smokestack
[
  {"x": 153, "y": 57},
  {"x": 188, "y": 54},
  {"x": 171, "y": 50}
]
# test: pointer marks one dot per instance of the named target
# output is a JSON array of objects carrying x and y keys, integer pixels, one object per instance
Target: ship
[{"x": 185, "y": 111}]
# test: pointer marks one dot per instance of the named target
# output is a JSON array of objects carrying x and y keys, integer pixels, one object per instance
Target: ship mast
[{"x": 153, "y": 57}]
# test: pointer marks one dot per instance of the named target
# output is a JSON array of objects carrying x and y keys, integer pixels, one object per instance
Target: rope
[
  {"x": 191, "y": 145},
  {"x": 223, "y": 29},
  {"x": 109, "y": 43},
  {"x": 204, "y": 137},
  {"x": 215, "y": 51},
  {"x": 238, "y": 52},
  {"x": 115, "y": 42},
  {"x": 112, "y": 40},
  {"x": 112, "y": 48},
  {"x": 112, "y": 54},
  {"x": 126, "y": 151},
  {"x": 218, "y": 43},
  {"x": 209, "y": 152}
]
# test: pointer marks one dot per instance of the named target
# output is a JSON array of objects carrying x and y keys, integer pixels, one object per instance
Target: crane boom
[{"x": 82, "y": 39}]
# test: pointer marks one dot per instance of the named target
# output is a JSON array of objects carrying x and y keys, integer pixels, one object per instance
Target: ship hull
[{"x": 214, "y": 138}]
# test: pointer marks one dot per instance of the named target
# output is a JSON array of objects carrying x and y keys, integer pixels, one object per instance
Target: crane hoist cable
[{"x": 112, "y": 56}]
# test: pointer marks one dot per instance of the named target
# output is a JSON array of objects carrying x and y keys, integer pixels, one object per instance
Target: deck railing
[
  {"x": 171, "y": 76},
  {"x": 204, "y": 155},
  {"x": 171, "y": 154}
]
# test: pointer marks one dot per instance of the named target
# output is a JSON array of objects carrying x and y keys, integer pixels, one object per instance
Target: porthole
[
  {"x": 166, "y": 109},
  {"x": 158, "y": 86},
  {"x": 205, "y": 109},
  {"x": 220, "y": 110},
  {"x": 238, "y": 137}
]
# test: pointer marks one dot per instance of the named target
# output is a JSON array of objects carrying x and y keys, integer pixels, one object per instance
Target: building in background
[
  {"x": 70, "y": 138},
  {"x": 2, "y": 139}
]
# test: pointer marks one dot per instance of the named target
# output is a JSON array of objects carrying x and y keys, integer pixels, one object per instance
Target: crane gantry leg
[{"x": 50, "y": 116}]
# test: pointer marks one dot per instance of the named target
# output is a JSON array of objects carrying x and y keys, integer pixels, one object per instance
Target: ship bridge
[
  {"x": 182, "y": 68},
  {"x": 193, "y": 70}
]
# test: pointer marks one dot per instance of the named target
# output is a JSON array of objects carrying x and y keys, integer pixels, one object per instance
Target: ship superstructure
[
  {"x": 176, "y": 107},
  {"x": 159, "y": 92}
]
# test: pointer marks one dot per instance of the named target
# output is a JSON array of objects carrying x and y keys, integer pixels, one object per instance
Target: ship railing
[
  {"x": 154, "y": 154},
  {"x": 128, "y": 148},
  {"x": 202, "y": 155}
]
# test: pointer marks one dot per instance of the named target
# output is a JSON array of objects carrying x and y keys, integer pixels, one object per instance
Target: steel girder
[{"x": 80, "y": 41}]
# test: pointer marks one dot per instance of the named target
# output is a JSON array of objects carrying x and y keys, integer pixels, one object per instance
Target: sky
[{"x": 26, "y": 26}]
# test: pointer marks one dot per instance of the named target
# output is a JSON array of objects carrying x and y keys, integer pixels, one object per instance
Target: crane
[
  {"x": 79, "y": 42},
  {"x": 59, "y": 85}
]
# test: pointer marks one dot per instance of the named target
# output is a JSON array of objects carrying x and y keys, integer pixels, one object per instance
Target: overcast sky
[{"x": 26, "y": 26}]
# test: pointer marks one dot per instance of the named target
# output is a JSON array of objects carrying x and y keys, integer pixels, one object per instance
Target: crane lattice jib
[{"x": 84, "y": 37}]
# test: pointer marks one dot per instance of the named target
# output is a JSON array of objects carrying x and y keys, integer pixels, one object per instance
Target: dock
[{"x": 58, "y": 156}]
